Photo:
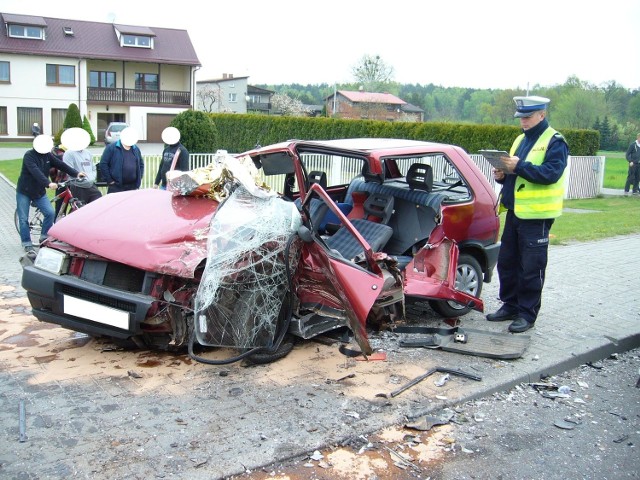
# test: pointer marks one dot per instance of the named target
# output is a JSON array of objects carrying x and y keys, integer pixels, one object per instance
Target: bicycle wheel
[{"x": 35, "y": 223}]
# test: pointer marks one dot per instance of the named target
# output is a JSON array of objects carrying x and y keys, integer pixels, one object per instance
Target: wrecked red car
[{"x": 349, "y": 231}]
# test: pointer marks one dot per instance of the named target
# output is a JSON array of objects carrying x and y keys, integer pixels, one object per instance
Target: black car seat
[
  {"x": 420, "y": 177},
  {"x": 378, "y": 207}
]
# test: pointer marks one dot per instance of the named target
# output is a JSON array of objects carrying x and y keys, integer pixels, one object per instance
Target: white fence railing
[{"x": 586, "y": 174}]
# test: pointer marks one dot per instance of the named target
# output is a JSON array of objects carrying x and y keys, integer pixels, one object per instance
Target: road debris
[
  {"x": 430, "y": 372},
  {"x": 22, "y": 422}
]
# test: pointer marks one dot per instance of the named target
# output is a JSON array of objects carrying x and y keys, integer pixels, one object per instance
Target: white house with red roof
[{"x": 141, "y": 75}]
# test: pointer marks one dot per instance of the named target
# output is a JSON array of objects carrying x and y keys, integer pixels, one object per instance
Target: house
[
  {"x": 136, "y": 74},
  {"x": 228, "y": 94},
  {"x": 259, "y": 99},
  {"x": 412, "y": 113},
  {"x": 365, "y": 105}
]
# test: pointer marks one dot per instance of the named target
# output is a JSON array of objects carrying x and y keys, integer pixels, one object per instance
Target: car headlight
[{"x": 52, "y": 261}]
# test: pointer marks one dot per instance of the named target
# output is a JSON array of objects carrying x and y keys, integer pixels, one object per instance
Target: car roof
[{"x": 365, "y": 146}]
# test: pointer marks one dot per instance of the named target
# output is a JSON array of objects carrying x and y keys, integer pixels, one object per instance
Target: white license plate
[{"x": 95, "y": 312}]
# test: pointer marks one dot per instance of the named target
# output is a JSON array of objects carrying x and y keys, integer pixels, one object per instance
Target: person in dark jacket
[
  {"x": 32, "y": 184},
  {"x": 633, "y": 176},
  {"x": 174, "y": 155},
  {"x": 35, "y": 129},
  {"x": 533, "y": 180},
  {"x": 121, "y": 164}
]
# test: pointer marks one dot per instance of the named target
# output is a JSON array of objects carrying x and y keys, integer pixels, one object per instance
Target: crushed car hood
[{"x": 147, "y": 229}]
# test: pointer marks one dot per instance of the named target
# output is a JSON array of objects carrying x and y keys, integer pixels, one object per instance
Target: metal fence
[{"x": 586, "y": 174}]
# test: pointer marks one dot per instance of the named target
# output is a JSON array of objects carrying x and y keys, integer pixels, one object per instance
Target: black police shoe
[
  {"x": 520, "y": 325},
  {"x": 502, "y": 315}
]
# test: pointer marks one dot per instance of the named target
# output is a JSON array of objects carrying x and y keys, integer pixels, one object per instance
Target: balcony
[
  {"x": 258, "y": 106},
  {"x": 138, "y": 97}
]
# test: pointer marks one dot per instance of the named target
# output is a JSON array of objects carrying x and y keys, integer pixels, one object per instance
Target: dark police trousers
[{"x": 521, "y": 264}]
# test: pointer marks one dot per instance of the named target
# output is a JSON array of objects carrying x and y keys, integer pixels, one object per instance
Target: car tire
[
  {"x": 285, "y": 347},
  {"x": 469, "y": 279}
]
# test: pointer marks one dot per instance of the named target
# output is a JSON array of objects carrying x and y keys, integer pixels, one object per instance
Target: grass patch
[
  {"x": 615, "y": 171},
  {"x": 614, "y": 216},
  {"x": 597, "y": 218},
  {"x": 11, "y": 169}
]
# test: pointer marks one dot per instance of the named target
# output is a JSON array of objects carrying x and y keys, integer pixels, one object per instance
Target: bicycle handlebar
[{"x": 71, "y": 181}]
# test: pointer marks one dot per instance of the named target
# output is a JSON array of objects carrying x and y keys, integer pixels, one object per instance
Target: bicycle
[{"x": 69, "y": 204}]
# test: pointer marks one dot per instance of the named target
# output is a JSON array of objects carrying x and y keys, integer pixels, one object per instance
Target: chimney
[{"x": 224, "y": 76}]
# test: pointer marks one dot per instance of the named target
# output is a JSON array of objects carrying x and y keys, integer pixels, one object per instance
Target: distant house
[
  {"x": 365, "y": 105},
  {"x": 259, "y": 99},
  {"x": 227, "y": 94},
  {"x": 412, "y": 113},
  {"x": 141, "y": 75}
]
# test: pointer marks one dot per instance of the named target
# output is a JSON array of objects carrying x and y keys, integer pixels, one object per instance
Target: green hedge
[{"x": 238, "y": 133}]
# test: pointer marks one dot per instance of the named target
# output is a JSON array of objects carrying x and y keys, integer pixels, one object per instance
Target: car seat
[
  {"x": 376, "y": 234},
  {"x": 420, "y": 177}
]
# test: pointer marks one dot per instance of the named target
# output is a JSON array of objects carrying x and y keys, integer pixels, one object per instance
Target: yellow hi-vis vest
[{"x": 533, "y": 200}]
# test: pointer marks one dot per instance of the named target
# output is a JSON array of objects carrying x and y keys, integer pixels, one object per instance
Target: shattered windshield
[{"x": 243, "y": 288}]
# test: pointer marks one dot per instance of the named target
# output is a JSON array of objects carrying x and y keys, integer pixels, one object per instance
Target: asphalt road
[{"x": 528, "y": 432}]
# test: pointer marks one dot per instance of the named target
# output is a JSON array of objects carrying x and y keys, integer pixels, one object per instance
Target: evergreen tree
[
  {"x": 87, "y": 126},
  {"x": 72, "y": 119},
  {"x": 605, "y": 134}
]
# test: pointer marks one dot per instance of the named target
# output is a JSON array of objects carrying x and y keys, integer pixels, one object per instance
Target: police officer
[{"x": 532, "y": 193}]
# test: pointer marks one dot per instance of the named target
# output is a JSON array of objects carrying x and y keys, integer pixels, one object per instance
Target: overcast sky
[{"x": 453, "y": 43}]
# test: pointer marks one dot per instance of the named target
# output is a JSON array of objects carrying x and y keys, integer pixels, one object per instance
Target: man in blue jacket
[
  {"x": 32, "y": 184},
  {"x": 121, "y": 164}
]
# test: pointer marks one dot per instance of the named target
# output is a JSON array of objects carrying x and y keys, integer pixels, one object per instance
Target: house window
[
  {"x": 135, "y": 41},
  {"x": 57, "y": 118},
  {"x": 146, "y": 81},
  {"x": 233, "y": 97},
  {"x": 24, "y": 31},
  {"x": 5, "y": 72},
  {"x": 3, "y": 121},
  {"x": 61, "y": 75},
  {"x": 102, "y": 79},
  {"x": 26, "y": 118}
]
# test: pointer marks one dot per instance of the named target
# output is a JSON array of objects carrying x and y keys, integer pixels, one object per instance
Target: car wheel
[
  {"x": 468, "y": 280},
  {"x": 286, "y": 345}
]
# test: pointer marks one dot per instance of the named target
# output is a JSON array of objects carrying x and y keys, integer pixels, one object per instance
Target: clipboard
[{"x": 493, "y": 157}]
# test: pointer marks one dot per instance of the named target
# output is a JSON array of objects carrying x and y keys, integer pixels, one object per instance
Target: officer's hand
[
  {"x": 53, "y": 185},
  {"x": 82, "y": 175},
  {"x": 498, "y": 174},
  {"x": 510, "y": 163}
]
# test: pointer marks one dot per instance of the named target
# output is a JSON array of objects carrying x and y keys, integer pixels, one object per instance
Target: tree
[
  {"x": 605, "y": 134},
  {"x": 577, "y": 108},
  {"x": 72, "y": 119},
  {"x": 371, "y": 72},
  {"x": 87, "y": 126},
  {"x": 288, "y": 106},
  {"x": 198, "y": 132},
  {"x": 208, "y": 95}
]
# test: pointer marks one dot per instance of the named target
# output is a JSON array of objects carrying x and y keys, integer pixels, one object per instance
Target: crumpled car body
[{"x": 351, "y": 230}]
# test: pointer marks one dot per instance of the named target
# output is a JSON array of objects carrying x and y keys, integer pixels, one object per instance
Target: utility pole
[{"x": 335, "y": 94}]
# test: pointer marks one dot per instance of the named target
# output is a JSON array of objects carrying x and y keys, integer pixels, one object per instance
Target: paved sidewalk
[{"x": 96, "y": 412}]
